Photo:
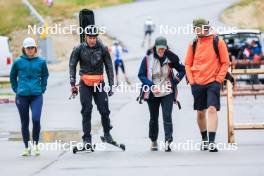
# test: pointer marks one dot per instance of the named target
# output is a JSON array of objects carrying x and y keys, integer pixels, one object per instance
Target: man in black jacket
[{"x": 92, "y": 56}]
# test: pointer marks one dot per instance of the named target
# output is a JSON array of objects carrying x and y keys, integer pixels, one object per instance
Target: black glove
[
  {"x": 110, "y": 93},
  {"x": 74, "y": 90}
]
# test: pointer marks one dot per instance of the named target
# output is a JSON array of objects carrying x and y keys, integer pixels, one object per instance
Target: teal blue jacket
[{"x": 29, "y": 76}]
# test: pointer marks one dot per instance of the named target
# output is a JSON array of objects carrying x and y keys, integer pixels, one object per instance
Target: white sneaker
[
  {"x": 26, "y": 152},
  {"x": 36, "y": 150}
]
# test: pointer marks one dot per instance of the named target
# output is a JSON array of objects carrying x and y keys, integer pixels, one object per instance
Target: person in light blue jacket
[{"x": 28, "y": 77}]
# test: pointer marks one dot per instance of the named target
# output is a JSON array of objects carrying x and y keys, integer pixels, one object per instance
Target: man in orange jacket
[{"x": 205, "y": 72}]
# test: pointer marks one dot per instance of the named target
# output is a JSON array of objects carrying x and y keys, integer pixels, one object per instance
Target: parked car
[
  {"x": 239, "y": 43},
  {"x": 5, "y": 56}
]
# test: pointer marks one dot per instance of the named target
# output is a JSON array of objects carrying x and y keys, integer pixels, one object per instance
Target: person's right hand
[
  {"x": 74, "y": 90},
  {"x": 156, "y": 89}
]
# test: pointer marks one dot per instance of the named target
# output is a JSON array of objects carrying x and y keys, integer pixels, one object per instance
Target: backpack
[{"x": 216, "y": 49}]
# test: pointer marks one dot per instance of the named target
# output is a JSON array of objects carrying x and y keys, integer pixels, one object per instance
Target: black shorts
[
  {"x": 206, "y": 96},
  {"x": 148, "y": 33}
]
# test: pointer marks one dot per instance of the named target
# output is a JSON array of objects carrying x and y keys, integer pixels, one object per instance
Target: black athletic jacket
[{"x": 92, "y": 61}]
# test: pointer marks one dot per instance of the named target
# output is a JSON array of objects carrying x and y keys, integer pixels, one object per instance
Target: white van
[{"x": 5, "y": 57}]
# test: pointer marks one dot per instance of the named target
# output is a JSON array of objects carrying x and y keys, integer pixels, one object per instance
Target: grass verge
[{"x": 245, "y": 14}]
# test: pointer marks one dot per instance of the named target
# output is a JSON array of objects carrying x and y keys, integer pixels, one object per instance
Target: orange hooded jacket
[{"x": 205, "y": 67}]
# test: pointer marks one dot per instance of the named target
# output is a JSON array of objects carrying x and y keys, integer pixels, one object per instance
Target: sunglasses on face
[{"x": 30, "y": 48}]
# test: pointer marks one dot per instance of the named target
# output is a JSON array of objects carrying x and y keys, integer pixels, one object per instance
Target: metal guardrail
[
  {"x": 33, "y": 11},
  {"x": 45, "y": 44}
]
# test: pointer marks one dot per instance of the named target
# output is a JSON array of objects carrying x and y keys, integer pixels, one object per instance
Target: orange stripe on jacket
[{"x": 205, "y": 67}]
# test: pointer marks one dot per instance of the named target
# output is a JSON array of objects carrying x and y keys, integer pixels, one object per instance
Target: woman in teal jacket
[{"x": 28, "y": 77}]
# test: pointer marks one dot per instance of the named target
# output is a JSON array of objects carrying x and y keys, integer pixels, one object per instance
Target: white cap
[{"x": 28, "y": 42}]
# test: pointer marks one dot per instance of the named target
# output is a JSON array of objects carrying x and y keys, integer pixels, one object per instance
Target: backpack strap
[
  {"x": 215, "y": 45},
  {"x": 147, "y": 63},
  {"x": 146, "y": 66},
  {"x": 194, "y": 45},
  {"x": 143, "y": 93}
]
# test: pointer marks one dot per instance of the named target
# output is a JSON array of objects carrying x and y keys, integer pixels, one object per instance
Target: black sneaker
[
  {"x": 212, "y": 147},
  {"x": 154, "y": 146},
  {"x": 167, "y": 146},
  {"x": 108, "y": 137},
  {"x": 87, "y": 144},
  {"x": 204, "y": 145}
]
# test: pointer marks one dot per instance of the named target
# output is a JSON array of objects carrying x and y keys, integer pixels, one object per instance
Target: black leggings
[{"x": 23, "y": 104}]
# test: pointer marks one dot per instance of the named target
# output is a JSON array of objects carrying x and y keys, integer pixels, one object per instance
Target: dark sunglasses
[{"x": 30, "y": 47}]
